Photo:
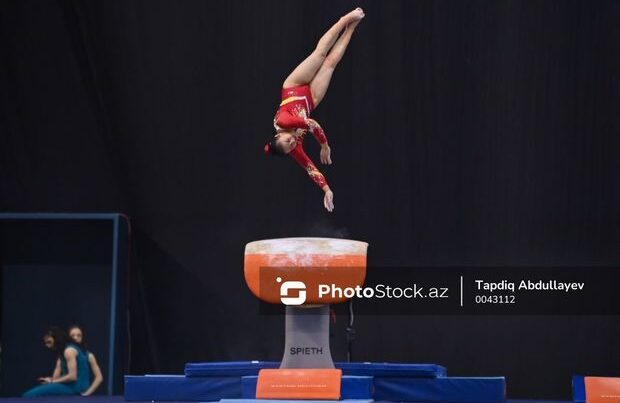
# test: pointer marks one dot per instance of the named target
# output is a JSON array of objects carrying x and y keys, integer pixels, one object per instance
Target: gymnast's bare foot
[{"x": 354, "y": 16}]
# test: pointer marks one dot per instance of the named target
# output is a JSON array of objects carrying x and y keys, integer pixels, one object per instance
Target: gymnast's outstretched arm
[{"x": 300, "y": 156}]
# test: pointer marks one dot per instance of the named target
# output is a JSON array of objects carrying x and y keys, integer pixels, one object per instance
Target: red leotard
[{"x": 293, "y": 113}]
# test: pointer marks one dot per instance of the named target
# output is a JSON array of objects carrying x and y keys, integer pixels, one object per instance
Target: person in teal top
[
  {"x": 72, "y": 372},
  {"x": 77, "y": 335}
]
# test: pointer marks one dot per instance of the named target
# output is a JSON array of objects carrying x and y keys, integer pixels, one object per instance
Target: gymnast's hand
[
  {"x": 45, "y": 379},
  {"x": 328, "y": 199},
  {"x": 326, "y": 154}
]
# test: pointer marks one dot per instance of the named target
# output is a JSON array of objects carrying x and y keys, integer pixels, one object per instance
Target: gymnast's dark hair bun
[{"x": 271, "y": 148}]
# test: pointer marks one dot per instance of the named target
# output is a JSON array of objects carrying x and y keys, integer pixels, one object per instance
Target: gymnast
[
  {"x": 302, "y": 92},
  {"x": 77, "y": 335},
  {"x": 71, "y": 375}
]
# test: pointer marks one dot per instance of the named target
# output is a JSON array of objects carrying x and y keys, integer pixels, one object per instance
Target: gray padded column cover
[{"x": 307, "y": 338}]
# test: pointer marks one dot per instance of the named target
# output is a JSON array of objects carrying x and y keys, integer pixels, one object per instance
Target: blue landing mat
[
  {"x": 445, "y": 390},
  {"x": 454, "y": 389},
  {"x": 121, "y": 399},
  {"x": 384, "y": 369},
  {"x": 212, "y": 381},
  {"x": 351, "y": 387},
  {"x": 249, "y": 368},
  {"x": 228, "y": 368},
  {"x": 179, "y": 387}
]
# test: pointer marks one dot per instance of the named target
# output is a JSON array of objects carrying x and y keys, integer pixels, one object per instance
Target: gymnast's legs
[{"x": 316, "y": 70}]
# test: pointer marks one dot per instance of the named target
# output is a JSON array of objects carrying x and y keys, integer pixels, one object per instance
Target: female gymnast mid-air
[{"x": 302, "y": 92}]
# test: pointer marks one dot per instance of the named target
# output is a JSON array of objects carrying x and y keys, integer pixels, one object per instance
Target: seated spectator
[
  {"x": 77, "y": 335},
  {"x": 71, "y": 374}
]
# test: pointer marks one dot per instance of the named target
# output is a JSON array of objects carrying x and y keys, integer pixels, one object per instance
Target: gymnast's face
[
  {"x": 286, "y": 142},
  {"x": 48, "y": 341},
  {"x": 76, "y": 334}
]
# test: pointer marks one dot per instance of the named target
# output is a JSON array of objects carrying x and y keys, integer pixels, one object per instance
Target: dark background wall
[{"x": 462, "y": 132}]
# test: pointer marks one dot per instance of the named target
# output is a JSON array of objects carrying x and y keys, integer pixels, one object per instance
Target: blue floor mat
[
  {"x": 120, "y": 399},
  {"x": 448, "y": 389},
  {"x": 249, "y": 368},
  {"x": 399, "y": 389},
  {"x": 179, "y": 387}
]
